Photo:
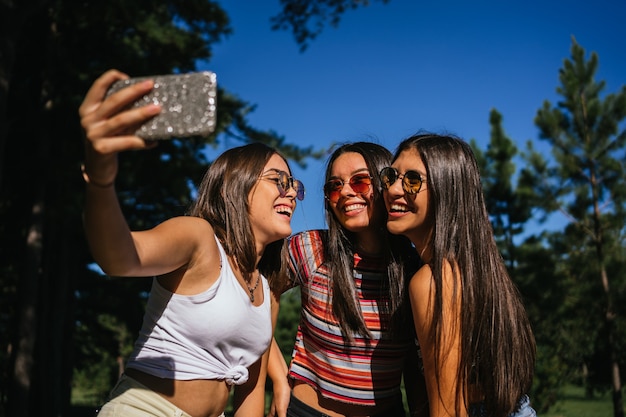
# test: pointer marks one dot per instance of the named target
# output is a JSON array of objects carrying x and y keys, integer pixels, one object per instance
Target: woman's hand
[
  {"x": 277, "y": 371},
  {"x": 109, "y": 124},
  {"x": 280, "y": 400}
]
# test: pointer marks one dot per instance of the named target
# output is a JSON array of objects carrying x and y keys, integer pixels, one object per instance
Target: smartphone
[{"x": 189, "y": 105}]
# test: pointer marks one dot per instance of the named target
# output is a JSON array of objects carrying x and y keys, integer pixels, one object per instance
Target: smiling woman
[
  {"x": 352, "y": 347},
  {"x": 211, "y": 311},
  {"x": 463, "y": 284}
]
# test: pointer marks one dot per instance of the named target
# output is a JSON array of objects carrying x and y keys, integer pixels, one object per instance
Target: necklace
[{"x": 251, "y": 290}]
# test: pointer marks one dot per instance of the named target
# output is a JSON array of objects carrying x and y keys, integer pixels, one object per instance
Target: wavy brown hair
[
  {"x": 223, "y": 202},
  {"x": 497, "y": 343}
]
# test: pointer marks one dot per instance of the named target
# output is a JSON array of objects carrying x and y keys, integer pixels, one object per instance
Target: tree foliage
[
  {"x": 57, "y": 313},
  {"x": 306, "y": 19},
  {"x": 572, "y": 280},
  {"x": 585, "y": 182},
  {"x": 288, "y": 320},
  {"x": 507, "y": 204},
  {"x": 530, "y": 263}
]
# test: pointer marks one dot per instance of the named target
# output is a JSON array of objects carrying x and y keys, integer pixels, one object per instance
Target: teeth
[
  {"x": 284, "y": 210},
  {"x": 399, "y": 207},
  {"x": 354, "y": 207}
]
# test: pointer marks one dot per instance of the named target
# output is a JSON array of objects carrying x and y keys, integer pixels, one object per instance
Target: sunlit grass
[{"x": 575, "y": 404}]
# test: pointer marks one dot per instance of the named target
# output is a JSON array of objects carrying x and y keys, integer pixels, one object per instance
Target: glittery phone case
[{"x": 189, "y": 104}]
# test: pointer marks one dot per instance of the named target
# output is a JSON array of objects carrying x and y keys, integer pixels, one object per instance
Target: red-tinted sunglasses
[{"x": 360, "y": 184}]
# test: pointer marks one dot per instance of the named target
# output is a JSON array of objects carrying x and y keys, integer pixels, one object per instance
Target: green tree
[
  {"x": 288, "y": 320},
  {"x": 528, "y": 257},
  {"x": 508, "y": 207},
  {"x": 545, "y": 291},
  {"x": 585, "y": 181}
]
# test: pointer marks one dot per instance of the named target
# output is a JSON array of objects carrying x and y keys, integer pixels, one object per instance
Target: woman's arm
[
  {"x": 108, "y": 127},
  {"x": 441, "y": 377},
  {"x": 277, "y": 371}
]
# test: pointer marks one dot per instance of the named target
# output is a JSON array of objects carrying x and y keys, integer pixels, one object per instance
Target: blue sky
[{"x": 389, "y": 70}]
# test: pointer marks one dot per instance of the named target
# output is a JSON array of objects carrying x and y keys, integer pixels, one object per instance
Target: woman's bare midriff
[
  {"x": 198, "y": 397},
  {"x": 308, "y": 395}
]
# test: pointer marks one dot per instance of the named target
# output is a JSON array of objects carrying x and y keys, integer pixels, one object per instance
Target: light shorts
[{"x": 129, "y": 398}]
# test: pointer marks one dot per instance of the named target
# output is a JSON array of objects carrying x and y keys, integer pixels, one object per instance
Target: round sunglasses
[
  {"x": 284, "y": 182},
  {"x": 360, "y": 184},
  {"x": 411, "y": 180}
]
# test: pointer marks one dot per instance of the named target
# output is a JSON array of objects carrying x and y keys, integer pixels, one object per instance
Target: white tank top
[{"x": 216, "y": 334}]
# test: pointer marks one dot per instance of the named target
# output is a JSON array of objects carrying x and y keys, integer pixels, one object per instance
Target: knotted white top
[{"x": 216, "y": 334}]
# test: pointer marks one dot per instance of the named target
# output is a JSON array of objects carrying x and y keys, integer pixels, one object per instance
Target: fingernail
[{"x": 153, "y": 108}]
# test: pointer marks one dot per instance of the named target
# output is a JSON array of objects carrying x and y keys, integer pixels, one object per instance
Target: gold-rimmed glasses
[
  {"x": 411, "y": 180},
  {"x": 284, "y": 182}
]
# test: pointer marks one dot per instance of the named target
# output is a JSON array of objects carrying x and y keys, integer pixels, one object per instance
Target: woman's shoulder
[
  {"x": 316, "y": 234},
  {"x": 185, "y": 254},
  {"x": 189, "y": 222},
  {"x": 314, "y": 237},
  {"x": 307, "y": 250},
  {"x": 421, "y": 281},
  {"x": 188, "y": 230}
]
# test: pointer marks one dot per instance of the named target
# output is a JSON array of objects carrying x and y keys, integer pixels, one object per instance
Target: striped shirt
[{"x": 365, "y": 371}]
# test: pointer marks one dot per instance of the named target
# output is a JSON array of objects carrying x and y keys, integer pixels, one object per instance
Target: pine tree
[{"x": 584, "y": 180}]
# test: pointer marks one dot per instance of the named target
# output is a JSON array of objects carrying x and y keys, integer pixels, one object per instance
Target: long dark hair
[
  {"x": 340, "y": 248},
  {"x": 223, "y": 201},
  {"x": 497, "y": 343}
]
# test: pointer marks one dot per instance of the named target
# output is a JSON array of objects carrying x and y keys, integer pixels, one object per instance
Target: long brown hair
[
  {"x": 223, "y": 201},
  {"x": 497, "y": 344},
  {"x": 339, "y": 251}
]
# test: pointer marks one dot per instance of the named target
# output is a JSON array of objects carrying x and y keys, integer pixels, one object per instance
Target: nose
[
  {"x": 346, "y": 186},
  {"x": 291, "y": 191},
  {"x": 395, "y": 189},
  {"x": 295, "y": 189}
]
